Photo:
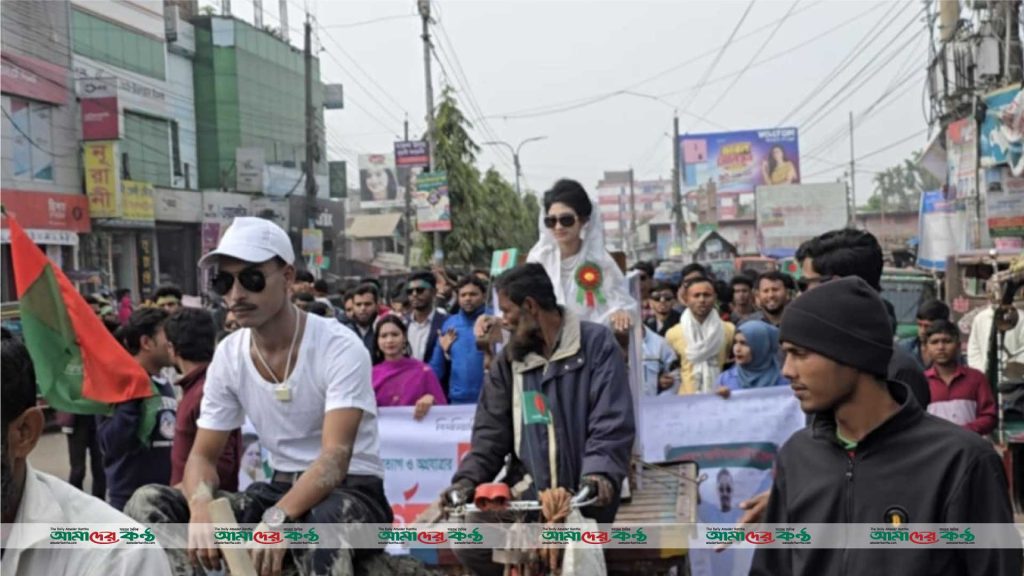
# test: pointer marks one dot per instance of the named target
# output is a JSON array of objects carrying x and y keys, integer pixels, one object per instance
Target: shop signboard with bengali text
[{"x": 102, "y": 180}]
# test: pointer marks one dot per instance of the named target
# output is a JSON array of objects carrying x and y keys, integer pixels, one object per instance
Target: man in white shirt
[
  {"x": 424, "y": 318},
  {"x": 978, "y": 340},
  {"x": 305, "y": 383},
  {"x": 31, "y": 497}
]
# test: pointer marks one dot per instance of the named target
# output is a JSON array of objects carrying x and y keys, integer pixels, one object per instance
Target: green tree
[
  {"x": 487, "y": 214},
  {"x": 899, "y": 187}
]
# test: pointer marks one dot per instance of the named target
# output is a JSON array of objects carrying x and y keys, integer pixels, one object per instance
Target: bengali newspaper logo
[
  {"x": 241, "y": 536},
  {"x": 956, "y": 536},
  {"x": 889, "y": 535},
  {"x": 560, "y": 535},
  {"x": 599, "y": 537},
  {"x": 68, "y": 536},
  {"x": 786, "y": 535},
  {"x": 792, "y": 536},
  {"x": 463, "y": 535},
  {"x": 719, "y": 535},
  {"x": 629, "y": 535},
  {"x": 391, "y": 535},
  {"x": 431, "y": 537},
  {"x": 924, "y": 537},
  {"x": 137, "y": 535}
]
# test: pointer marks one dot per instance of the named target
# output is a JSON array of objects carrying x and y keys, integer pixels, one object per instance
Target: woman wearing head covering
[
  {"x": 399, "y": 380},
  {"x": 756, "y": 348},
  {"x": 571, "y": 248}
]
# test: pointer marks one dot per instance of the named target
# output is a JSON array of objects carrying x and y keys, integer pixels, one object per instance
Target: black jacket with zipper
[{"x": 930, "y": 469}]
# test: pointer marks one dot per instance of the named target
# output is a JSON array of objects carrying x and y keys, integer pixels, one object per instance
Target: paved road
[{"x": 51, "y": 456}]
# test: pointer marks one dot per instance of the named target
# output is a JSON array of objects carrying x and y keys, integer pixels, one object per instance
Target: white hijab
[
  {"x": 562, "y": 272},
  {"x": 703, "y": 345}
]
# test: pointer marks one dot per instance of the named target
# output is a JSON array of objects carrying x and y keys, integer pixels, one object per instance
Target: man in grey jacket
[{"x": 559, "y": 378}]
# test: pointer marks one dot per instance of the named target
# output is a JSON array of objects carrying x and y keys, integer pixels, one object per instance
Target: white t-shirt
[{"x": 332, "y": 371}]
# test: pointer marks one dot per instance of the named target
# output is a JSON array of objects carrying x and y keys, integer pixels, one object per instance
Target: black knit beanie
[{"x": 844, "y": 320}]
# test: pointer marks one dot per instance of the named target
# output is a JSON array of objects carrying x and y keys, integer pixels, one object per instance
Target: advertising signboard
[{"x": 730, "y": 165}]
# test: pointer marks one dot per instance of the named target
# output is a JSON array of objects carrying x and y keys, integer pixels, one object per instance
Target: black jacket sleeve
[
  {"x": 983, "y": 498},
  {"x": 774, "y": 561},
  {"x": 611, "y": 428},
  {"x": 492, "y": 427},
  {"x": 118, "y": 433}
]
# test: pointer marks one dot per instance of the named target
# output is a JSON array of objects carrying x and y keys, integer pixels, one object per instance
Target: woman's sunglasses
[
  {"x": 566, "y": 220},
  {"x": 252, "y": 279}
]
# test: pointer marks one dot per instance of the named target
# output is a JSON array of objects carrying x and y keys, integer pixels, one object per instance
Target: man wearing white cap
[{"x": 305, "y": 383}]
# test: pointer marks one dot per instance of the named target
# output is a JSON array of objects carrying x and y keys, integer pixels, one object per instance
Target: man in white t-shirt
[{"x": 305, "y": 383}]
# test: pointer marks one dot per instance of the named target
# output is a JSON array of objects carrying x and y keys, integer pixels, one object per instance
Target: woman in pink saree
[{"x": 399, "y": 380}]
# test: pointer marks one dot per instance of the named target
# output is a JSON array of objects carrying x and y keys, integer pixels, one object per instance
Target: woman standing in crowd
[
  {"x": 399, "y": 380},
  {"x": 756, "y": 348}
]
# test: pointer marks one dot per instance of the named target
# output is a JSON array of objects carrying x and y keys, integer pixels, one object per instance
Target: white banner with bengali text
[
  {"x": 734, "y": 442},
  {"x": 421, "y": 456}
]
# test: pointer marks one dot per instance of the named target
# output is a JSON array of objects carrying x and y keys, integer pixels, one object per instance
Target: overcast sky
[{"x": 553, "y": 69}]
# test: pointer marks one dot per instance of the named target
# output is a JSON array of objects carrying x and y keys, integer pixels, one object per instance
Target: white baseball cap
[{"x": 252, "y": 239}]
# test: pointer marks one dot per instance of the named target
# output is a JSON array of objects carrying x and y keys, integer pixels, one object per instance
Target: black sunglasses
[
  {"x": 416, "y": 290},
  {"x": 663, "y": 297},
  {"x": 566, "y": 220},
  {"x": 252, "y": 279},
  {"x": 805, "y": 284}
]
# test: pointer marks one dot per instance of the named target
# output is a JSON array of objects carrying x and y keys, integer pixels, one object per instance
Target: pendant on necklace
[{"x": 283, "y": 393}]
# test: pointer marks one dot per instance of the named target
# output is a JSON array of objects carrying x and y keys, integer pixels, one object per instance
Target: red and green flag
[{"x": 80, "y": 367}]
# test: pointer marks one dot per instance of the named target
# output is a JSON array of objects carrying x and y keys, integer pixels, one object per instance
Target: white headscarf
[{"x": 613, "y": 287}]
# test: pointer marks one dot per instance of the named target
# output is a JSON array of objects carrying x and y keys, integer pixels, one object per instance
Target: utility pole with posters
[{"x": 424, "y": 8}]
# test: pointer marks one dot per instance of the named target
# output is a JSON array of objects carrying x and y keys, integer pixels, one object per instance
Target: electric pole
[
  {"x": 677, "y": 183},
  {"x": 634, "y": 239},
  {"x": 311, "y": 145},
  {"x": 851, "y": 202},
  {"x": 408, "y": 204},
  {"x": 424, "y": 8}
]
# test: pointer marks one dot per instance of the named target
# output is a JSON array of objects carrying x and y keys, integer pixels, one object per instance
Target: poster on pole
[
  {"x": 728, "y": 166},
  {"x": 1004, "y": 202},
  {"x": 942, "y": 230},
  {"x": 734, "y": 441},
  {"x": 787, "y": 215},
  {"x": 435, "y": 215},
  {"x": 962, "y": 158},
  {"x": 1002, "y": 130},
  {"x": 378, "y": 182}
]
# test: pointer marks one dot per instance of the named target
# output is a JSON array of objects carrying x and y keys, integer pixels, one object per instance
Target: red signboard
[
  {"x": 99, "y": 108},
  {"x": 34, "y": 78},
  {"x": 47, "y": 211}
]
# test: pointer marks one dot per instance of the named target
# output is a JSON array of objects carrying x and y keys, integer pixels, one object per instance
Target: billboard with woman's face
[
  {"x": 378, "y": 182},
  {"x": 735, "y": 163}
]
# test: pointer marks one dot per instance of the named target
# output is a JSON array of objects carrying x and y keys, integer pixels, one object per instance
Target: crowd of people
[{"x": 308, "y": 366}]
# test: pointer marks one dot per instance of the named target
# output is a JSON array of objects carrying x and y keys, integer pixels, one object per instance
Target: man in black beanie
[
  {"x": 852, "y": 252},
  {"x": 872, "y": 455}
]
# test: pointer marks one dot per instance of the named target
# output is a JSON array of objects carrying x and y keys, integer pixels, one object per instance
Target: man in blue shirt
[{"x": 457, "y": 358}]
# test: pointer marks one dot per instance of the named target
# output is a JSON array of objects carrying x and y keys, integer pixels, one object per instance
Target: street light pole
[{"x": 515, "y": 154}]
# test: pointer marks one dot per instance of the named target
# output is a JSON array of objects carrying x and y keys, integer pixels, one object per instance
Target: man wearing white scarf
[{"x": 701, "y": 339}]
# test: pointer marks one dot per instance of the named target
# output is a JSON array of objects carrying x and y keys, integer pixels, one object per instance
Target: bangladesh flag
[{"x": 80, "y": 367}]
